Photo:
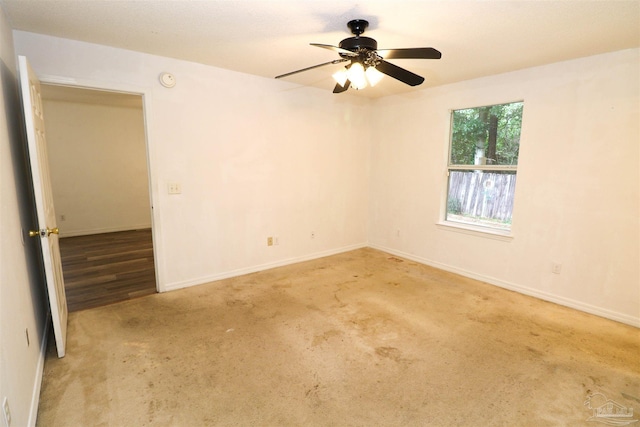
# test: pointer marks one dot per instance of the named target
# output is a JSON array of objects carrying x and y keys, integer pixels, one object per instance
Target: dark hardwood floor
[{"x": 102, "y": 269}]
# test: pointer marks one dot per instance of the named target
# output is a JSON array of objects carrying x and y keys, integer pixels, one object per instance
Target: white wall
[
  {"x": 577, "y": 195},
  {"x": 259, "y": 158},
  {"x": 22, "y": 292},
  {"x": 98, "y": 161},
  {"x": 255, "y": 157}
]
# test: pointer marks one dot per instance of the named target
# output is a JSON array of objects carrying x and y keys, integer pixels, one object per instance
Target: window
[{"x": 483, "y": 162}]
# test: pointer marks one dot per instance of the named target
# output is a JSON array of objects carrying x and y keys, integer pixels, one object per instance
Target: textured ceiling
[{"x": 268, "y": 38}]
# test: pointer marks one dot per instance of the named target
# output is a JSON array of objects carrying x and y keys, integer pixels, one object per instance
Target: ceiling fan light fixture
[
  {"x": 367, "y": 64},
  {"x": 356, "y": 76},
  {"x": 373, "y": 76},
  {"x": 341, "y": 77}
]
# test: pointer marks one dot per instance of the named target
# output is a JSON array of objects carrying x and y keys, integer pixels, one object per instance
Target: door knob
[{"x": 47, "y": 232}]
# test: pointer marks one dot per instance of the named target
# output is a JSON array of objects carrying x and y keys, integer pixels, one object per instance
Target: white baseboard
[
  {"x": 567, "y": 302},
  {"x": 37, "y": 384},
  {"x": 261, "y": 267},
  {"x": 103, "y": 230}
]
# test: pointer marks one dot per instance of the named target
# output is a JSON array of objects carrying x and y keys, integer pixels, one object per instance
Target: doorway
[{"x": 99, "y": 172}]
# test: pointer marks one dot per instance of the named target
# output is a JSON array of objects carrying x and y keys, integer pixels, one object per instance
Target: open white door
[{"x": 47, "y": 231}]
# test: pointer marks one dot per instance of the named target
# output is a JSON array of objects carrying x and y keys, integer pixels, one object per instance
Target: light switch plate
[{"x": 175, "y": 188}]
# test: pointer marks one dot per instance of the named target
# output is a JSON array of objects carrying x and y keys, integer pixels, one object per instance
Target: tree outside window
[{"x": 483, "y": 159}]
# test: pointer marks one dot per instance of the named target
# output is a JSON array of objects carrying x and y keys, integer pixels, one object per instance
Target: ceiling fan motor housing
[{"x": 356, "y": 43}]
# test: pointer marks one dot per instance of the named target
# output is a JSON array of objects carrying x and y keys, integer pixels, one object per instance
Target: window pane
[
  {"x": 481, "y": 198},
  {"x": 486, "y": 135}
]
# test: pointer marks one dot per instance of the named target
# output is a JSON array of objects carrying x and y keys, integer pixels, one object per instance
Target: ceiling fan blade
[
  {"x": 335, "y": 61},
  {"x": 340, "y": 89},
  {"x": 398, "y": 73},
  {"x": 410, "y": 53},
  {"x": 335, "y": 49}
]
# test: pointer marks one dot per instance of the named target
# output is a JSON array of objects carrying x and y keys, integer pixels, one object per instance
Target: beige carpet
[{"x": 357, "y": 339}]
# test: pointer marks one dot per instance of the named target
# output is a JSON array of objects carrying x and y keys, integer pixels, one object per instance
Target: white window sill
[{"x": 485, "y": 232}]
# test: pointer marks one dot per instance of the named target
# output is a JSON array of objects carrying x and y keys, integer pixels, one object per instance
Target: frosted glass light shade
[
  {"x": 374, "y": 76},
  {"x": 340, "y": 77},
  {"x": 357, "y": 76}
]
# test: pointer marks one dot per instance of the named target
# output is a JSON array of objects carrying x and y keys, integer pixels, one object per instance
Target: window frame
[{"x": 463, "y": 227}]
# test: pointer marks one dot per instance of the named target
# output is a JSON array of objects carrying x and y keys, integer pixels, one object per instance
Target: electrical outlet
[
  {"x": 313, "y": 234},
  {"x": 63, "y": 217},
  {"x": 556, "y": 268},
  {"x": 269, "y": 241},
  {"x": 276, "y": 241},
  {"x": 6, "y": 411}
]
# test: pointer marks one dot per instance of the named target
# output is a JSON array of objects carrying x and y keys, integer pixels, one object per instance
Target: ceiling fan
[{"x": 367, "y": 64}]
